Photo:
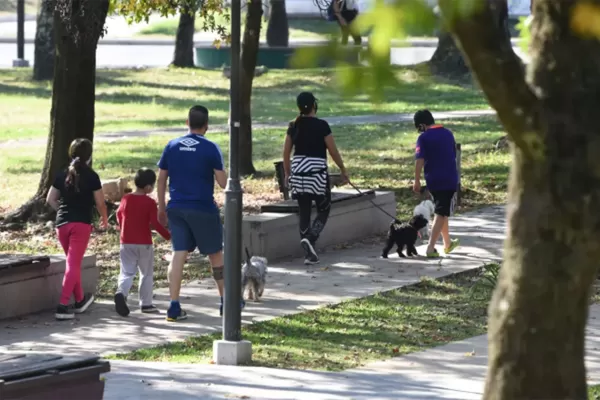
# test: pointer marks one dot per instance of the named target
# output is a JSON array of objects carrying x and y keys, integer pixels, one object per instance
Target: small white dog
[
  {"x": 254, "y": 276},
  {"x": 426, "y": 209}
]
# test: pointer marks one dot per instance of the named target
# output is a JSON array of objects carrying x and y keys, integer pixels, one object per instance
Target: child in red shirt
[{"x": 137, "y": 215}]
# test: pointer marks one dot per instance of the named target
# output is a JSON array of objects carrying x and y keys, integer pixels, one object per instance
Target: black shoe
[
  {"x": 83, "y": 305},
  {"x": 64, "y": 313},
  {"x": 310, "y": 255},
  {"x": 121, "y": 305},
  {"x": 151, "y": 309}
]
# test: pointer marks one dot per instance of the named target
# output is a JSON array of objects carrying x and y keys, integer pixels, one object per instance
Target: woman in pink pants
[{"x": 73, "y": 195}]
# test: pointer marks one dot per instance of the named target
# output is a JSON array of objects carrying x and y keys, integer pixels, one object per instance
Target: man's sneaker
[
  {"x": 176, "y": 316},
  {"x": 121, "y": 305},
  {"x": 64, "y": 313},
  {"x": 242, "y": 306},
  {"x": 175, "y": 313},
  {"x": 454, "y": 243},
  {"x": 310, "y": 255},
  {"x": 433, "y": 254},
  {"x": 83, "y": 305},
  {"x": 151, "y": 309}
]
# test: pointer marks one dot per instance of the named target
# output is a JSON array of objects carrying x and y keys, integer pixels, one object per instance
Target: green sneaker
[
  {"x": 433, "y": 254},
  {"x": 454, "y": 243}
]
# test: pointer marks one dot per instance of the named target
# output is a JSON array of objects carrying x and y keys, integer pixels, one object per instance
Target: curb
[{"x": 207, "y": 43}]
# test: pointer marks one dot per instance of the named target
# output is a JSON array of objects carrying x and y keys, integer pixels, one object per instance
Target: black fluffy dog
[{"x": 404, "y": 234}]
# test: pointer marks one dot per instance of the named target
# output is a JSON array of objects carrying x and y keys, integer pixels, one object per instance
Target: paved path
[
  {"x": 342, "y": 274},
  {"x": 222, "y": 128},
  {"x": 454, "y": 371}
]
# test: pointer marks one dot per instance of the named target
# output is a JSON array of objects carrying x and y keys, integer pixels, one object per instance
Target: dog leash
[{"x": 372, "y": 202}]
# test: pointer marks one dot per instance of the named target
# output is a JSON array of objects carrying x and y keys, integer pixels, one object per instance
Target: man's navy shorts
[
  {"x": 193, "y": 228},
  {"x": 443, "y": 201}
]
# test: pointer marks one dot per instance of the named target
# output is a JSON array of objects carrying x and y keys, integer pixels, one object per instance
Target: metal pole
[
  {"x": 232, "y": 313},
  {"x": 21, "y": 29}
]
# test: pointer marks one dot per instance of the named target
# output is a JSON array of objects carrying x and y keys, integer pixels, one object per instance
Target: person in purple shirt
[{"x": 435, "y": 153}]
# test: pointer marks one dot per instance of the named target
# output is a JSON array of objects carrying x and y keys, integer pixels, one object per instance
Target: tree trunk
[
  {"x": 77, "y": 32},
  {"x": 538, "y": 313},
  {"x": 184, "y": 42},
  {"x": 248, "y": 65},
  {"x": 278, "y": 30},
  {"x": 448, "y": 61},
  {"x": 43, "y": 65}
]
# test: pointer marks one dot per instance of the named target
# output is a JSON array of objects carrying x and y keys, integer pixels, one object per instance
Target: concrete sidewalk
[
  {"x": 222, "y": 128},
  {"x": 292, "y": 287},
  {"x": 454, "y": 371}
]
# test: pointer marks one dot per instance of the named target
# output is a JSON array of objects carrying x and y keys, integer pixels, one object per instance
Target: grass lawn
[
  {"x": 594, "y": 392},
  {"x": 299, "y": 28},
  {"x": 352, "y": 333},
  {"x": 377, "y": 156},
  {"x": 128, "y": 99}
]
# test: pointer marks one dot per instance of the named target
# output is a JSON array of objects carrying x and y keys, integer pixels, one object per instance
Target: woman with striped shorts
[{"x": 306, "y": 172}]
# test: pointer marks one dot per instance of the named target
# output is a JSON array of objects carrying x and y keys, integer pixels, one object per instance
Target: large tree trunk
[
  {"x": 184, "y": 41},
  {"x": 278, "y": 30},
  {"x": 538, "y": 313},
  {"x": 248, "y": 65},
  {"x": 448, "y": 61},
  {"x": 43, "y": 65},
  {"x": 78, "y": 27}
]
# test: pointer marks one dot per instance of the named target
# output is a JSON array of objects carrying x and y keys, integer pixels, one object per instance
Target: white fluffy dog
[
  {"x": 254, "y": 276},
  {"x": 426, "y": 209}
]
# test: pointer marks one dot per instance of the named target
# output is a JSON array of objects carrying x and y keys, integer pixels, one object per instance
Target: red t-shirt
[{"x": 137, "y": 216}]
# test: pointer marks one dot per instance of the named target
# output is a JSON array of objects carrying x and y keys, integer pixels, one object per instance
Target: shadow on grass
[{"x": 353, "y": 332}]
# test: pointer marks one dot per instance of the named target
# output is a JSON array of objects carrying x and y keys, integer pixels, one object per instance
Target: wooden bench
[
  {"x": 51, "y": 377},
  {"x": 30, "y": 284}
]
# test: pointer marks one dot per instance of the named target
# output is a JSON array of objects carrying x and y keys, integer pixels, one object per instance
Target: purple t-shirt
[{"x": 437, "y": 147}]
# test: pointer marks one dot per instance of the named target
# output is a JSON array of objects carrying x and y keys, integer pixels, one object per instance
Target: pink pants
[{"x": 73, "y": 238}]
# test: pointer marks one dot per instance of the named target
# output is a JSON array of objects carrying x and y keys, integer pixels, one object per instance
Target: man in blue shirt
[
  {"x": 436, "y": 154},
  {"x": 191, "y": 163}
]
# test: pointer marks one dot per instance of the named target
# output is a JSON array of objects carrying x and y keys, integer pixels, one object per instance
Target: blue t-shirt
[
  {"x": 437, "y": 147},
  {"x": 191, "y": 161}
]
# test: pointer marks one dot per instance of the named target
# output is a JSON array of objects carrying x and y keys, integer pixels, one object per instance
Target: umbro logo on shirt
[{"x": 188, "y": 144}]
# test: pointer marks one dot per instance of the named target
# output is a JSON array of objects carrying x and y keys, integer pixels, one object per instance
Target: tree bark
[
  {"x": 43, "y": 65},
  {"x": 278, "y": 30},
  {"x": 78, "y": 27},
  {"x": 538, "y": 312},
  {"x": 248, "y": 65},
  {"x": 448, "y": 61},
  {"x": 184, "y": 41}
]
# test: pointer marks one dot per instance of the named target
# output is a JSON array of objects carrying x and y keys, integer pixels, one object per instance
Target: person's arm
[
  {"x": 161, "y": 190},
  {"x": 219, "y": 168},
  {"x": 161, "y": 185},
  {"x": 101, "y": 207},
  {"x": 287, "y": 154},
  {"x": 338, "y": 12},
  {"x": 155, "y": 223},
  {"x": 335, "y": 155},
  {"x": 53, "y": 198},
  {"x": 419, "y": 163},
  {"x": 120, "y": 212}
]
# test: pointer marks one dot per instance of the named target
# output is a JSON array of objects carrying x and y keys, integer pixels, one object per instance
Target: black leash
[{"x": 376, "y": 205}]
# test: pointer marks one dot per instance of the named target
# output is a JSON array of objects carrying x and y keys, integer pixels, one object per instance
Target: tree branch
[{"x": 495, "y": 65}]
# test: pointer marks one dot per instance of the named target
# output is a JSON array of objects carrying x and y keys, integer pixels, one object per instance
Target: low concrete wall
[
  {"x": 276, "y": 235},
  {"x": 31, "y": 289}
]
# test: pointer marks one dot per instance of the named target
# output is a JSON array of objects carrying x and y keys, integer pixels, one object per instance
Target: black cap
[{"x": 305, "y": 101}]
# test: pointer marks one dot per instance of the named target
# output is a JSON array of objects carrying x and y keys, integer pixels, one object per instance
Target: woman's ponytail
[
  {"x": 72, "y": 180},
  {"x": 80, "y": 152}
]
